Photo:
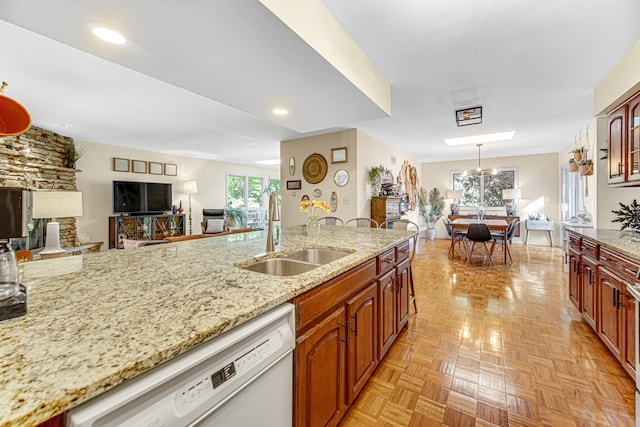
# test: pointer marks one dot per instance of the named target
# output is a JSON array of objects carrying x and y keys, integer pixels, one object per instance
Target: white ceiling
[{"x": 200, "y": 78}]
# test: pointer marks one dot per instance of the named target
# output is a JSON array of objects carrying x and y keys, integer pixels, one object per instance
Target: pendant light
[
  {"x": 479, "y": 169},
  {"x": 14, "y": 118}
]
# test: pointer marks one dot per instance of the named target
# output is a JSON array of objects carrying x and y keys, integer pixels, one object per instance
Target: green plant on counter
[
  {"x": 628, "y": 215},
  {"x": 376, "y": 174}
]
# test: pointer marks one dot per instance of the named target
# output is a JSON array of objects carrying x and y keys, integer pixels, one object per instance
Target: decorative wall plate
[
  {"x": 341, "y": 177},
  {"x": 317, "y": 192},
  {"x": 314, "y": 168},
  {"x": 334, "y": 202}
]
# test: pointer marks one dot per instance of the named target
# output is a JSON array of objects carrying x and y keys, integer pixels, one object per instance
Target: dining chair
[
  {"x": 330, "y": 220},
  {"x": 362, "y": 222},
  {"x": 479, "y": 233},
  {"x": 405, "y": 224},
  {"x": 458, "y": 239},
  {"x": 500, "y": 236}
]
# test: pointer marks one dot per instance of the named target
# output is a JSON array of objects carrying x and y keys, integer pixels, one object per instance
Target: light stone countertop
[
  {"x": 625, "y": 242},
  {"x": 98, "y": 319}
]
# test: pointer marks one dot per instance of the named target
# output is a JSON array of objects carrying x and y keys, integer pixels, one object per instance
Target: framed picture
[
  {"x": 170, "y": 169},
  {"x": 339, "y": 155},
  {"x": 155, "y": 168},
  {"x": 138, "y": 166},
  {"x": 294, "y": 185},
  {"x": 121, "y": 165}
]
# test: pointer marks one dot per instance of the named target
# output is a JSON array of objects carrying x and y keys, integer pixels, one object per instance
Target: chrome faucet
[{"x": 274, "y": 215}]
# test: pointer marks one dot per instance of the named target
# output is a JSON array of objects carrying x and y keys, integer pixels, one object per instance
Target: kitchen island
[{"x": 97, "y": 320}]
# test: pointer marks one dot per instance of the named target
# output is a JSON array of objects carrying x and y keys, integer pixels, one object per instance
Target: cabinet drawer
[
  {"x": 589, "y": 248},
  {"x": 403, "y": 250},
  {"x": 621, "y": 265},
  {"x": 386, "y": 261},
  {"x": 314, "y": 303},
  {"x": 574, "y": 242}
]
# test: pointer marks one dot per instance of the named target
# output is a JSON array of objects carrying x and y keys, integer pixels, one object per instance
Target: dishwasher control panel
[{"x": 193, "y": 394}]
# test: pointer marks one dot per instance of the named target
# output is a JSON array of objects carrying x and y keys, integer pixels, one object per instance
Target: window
[
  {"x": 485, "y": 188},
  {"x": 248, "y": 192},
  {"x": 571, "y": 193}
]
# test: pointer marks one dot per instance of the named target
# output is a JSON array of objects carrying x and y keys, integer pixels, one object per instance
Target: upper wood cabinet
[
  {"x": 624, "y": 144},
  {"x": 633, "y": 140}
]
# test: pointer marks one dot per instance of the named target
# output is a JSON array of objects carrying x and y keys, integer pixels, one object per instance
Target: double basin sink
[{"x": 296, "y": 262}]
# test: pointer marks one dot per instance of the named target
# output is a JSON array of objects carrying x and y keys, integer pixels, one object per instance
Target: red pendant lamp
[{"x": 14, "y": 118}]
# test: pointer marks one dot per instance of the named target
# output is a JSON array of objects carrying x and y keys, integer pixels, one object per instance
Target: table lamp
[
  {"x": 190, "y": 187},
  {"x": 511, "y": 194},
  {"x": 454, "y": 195},
  {"x": 55, "y": 204}
]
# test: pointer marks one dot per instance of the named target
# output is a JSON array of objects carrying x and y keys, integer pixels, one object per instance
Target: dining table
[{"x": 495, "y": 225}]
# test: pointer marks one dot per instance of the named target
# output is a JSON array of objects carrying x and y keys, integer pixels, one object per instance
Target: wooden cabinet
[
  {"x": 362, "y": 341},
  {"x": 144, "y": 227},
  {"x": 617, "y": 143},
  {"x": 574, "y": 278},
  {"x": 344, "y": 328},
  {"x": 388, "y": 309},
  {"x": 624, "y": 144},
  {"x": 598, "y": 278},
  {"x": 385, "y": 208},
  {"x": 589, "y": 294},
  {"x": 610, "y": 320},
  {"x": 321, "y": 366},
  {"x": 633, "y": 140}
]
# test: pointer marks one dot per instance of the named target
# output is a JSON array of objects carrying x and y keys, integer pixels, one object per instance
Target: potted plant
[
  {"x": 73, "y": 153},
  {"x": 430, "y": 207},
  {"x": 376, "y": 175},
  {"x": 9, "y": 145},
  {"x": 234, "y": 217},
  {"x": 577, "y": 154},
  {"x": 586, "y": 167},
  {"x": 573, "y": 165}
]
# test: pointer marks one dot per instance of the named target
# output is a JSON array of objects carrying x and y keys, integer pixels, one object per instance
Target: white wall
[
  {"x": 300, "y": 149},
  {"x": 538, "y": 177},
  {"x": 372, "y": 152},
  {"x": 95, "y": 182}
]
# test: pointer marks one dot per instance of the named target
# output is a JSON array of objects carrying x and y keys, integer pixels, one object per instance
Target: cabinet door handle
[
  {"x": 590, "y": 273},
  {"x": 633, "y": 273},
  {"x": 614, "y": 296},
  {"x": 604, "y": 258},
  {"x": 355, "y": 317},
  {"x": 346, "y": 328}
]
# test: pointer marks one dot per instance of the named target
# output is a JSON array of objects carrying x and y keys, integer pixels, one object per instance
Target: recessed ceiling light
[
  {"x": 280, "y": 111},
  {"x": 108, "y": 35},
  {"x": 269, "y": 162},
  {"x": 478, "y": 139}
]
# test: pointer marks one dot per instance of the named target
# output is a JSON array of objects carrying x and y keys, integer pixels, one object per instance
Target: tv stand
[{"x": 144, "y": 227}]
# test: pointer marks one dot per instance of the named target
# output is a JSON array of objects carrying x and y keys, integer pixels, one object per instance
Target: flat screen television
[{"x": 141, "y": 197}]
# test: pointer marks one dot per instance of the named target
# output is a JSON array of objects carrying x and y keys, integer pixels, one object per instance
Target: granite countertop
[
  {"x": 624, "y": 242},
  {"x": 98, "y": 319}
]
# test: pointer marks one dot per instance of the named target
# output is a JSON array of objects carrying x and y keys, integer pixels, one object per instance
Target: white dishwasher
[{"x": 243, "y": 377}]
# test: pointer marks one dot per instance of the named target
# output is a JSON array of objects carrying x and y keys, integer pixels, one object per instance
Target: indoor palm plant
[{"x": 234, "y": 217}]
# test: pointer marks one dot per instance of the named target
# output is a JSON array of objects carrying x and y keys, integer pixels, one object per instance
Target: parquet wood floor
[{"x": 495, "y": 346}]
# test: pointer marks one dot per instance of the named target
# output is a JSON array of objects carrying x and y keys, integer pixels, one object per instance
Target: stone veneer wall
[{"x": 43, "y": 168}]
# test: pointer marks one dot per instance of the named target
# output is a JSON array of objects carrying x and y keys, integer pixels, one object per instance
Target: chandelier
[{"x": 479, "y": 169}]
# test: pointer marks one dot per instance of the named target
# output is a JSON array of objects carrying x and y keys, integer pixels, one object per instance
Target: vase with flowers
[{"x": 313, "y": 208}]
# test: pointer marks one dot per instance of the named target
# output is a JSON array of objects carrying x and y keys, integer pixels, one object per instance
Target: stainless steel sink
[
  {"x": 296, "y": 262},
  {"x": 318, "y": 256},
  {"x": 280, "y": 267}
]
